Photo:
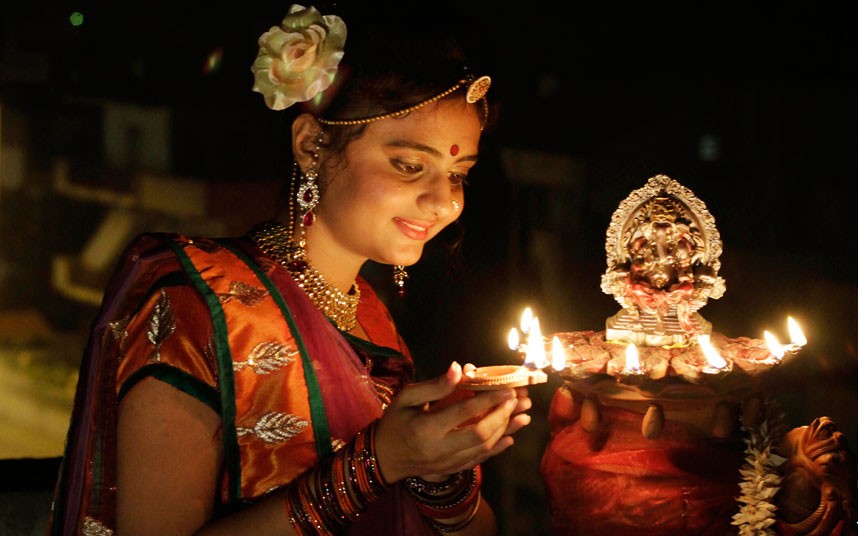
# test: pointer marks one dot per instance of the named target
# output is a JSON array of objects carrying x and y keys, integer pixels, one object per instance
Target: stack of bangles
[
  {"x": 449, "y": 499},
  {"x": 332, "y": 496}
]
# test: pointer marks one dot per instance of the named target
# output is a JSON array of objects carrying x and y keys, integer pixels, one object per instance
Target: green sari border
[
  {"x": 225, "y": 370},
  {"x": 179, "y": 379},
  {"x": 317, "y": 407},
  {"x": 372, "y": 348}
]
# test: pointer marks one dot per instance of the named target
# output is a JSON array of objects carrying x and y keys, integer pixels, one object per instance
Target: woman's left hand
[{"x": 433, "y": 427}]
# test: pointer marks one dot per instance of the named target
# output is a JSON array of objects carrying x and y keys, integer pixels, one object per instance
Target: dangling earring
[
  {"x": 399, "y": 277},
  {"x": 308, "y": 189},
  {"x": 308, "y": 196}
]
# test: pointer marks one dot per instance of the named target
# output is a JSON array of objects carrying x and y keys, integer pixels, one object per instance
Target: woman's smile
[{"x": 413, "y": 229}]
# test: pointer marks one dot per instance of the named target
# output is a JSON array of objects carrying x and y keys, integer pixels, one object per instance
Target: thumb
[{"x": 422, "y": 393}]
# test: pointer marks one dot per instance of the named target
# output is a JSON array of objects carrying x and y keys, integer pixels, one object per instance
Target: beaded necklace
[{"x": 273, "y": 238}]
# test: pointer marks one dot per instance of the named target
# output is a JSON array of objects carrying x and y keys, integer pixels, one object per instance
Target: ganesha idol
[{"x": 662, "y": 426}]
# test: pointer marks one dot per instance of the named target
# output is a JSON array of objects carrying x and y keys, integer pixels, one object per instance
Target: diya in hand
[{"x": 508, "y": 376}]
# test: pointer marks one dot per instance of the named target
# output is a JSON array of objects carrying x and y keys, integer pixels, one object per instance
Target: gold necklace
[{"x": 274, "y": 239}]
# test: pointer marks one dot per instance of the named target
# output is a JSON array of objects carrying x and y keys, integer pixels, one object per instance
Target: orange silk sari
[{"x": 229, "y": 326}]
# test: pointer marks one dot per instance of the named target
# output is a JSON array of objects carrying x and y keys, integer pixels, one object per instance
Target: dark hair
[{"x": 394, "y": 58}]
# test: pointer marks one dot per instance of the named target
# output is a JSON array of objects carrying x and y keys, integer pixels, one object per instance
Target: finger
[
  {"x": 468, "y": 457},
  {"x": 524, "y": 404},
  {"x": 420, "y": 393},
  {"x": 521, "y": 392},
  {"x": 516, "y": 423},
  {"x": 504, "y": 443},
  {"x": 463, "y": 411},
  {"x": 482, "y": 434}
]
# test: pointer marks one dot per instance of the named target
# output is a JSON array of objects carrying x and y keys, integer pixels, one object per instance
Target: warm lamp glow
[
  {"x": 558, "y": 354},
  {"x": 712, "y": 356},
  {"x": 526, "y": 320},
  {"x": 775, "y": 347},
  {"x": 796, "y": 336},
  {"x": 535, "y": 353},
  {"x": 513, "y": 339},
  {"x": 633, "y": 363}
]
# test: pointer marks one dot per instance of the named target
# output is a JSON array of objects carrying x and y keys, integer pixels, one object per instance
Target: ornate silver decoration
[
  {"x": 119, "y": 329},
  {"x": 93, "y": 527},
  {"x": 266, "y": 357},
  {"x": 210, "y": 355},
  {"x": 663, "y": 254},
  {"x": 245, "y": 294},
  {"x": 275, "y": 427},
  {"x": 162, "y": 324}
]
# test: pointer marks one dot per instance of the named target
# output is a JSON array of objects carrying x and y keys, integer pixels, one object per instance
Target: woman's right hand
[{"x": 431, "y": 429}]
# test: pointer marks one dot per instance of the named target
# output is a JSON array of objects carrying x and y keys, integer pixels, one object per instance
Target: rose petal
[{"x": 299, "y": 59}]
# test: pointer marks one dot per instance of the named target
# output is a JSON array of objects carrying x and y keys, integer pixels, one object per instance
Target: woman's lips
[{"x": 413, "y": 229}]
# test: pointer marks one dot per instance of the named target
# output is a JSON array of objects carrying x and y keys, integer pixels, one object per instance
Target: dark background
[{"x": 752, "y": 108}]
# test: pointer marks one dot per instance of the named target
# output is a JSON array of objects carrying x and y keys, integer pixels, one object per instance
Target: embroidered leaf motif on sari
[
  {"x": 244, "y": 293},
  {"x": 119, "y": 330},
  {"x": 266, "y": 357},
  {"x": 92, "y": 527},
  {"x": 210, "y": 355},
  {"x": 162, "y": 324},
  {"x": 275, "y": 427}
]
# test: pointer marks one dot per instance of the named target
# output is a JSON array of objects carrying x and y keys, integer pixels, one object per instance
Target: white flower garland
[{"x": 761, "y": 476}]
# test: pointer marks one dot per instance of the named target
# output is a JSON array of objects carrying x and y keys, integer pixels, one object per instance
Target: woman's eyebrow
[
  {"x": 425, "y": 148},
  {"x": 416, "y": 146}
]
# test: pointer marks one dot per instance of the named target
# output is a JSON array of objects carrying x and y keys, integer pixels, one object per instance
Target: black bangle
[{"x": 456, "y": 527}]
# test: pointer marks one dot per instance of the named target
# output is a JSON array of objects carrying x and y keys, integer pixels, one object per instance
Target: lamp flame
[
  {"x": 712, "y": 356},
  {"x": 633, "y": 363},
  {"x": 775, "y": 347},
  {"x": 558, "y": 354},
  {"x": 535, "y": 353},
  {"x": 513, "y": 339},
  {"x": 796, "y": 336},
  {"x": 526, "y": 320}
]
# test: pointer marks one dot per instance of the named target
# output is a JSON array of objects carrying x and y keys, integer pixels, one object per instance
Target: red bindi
[{"x": 454, "y": 149}]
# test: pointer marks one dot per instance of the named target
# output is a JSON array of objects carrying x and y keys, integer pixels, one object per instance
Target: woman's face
[{"x": 397, "y": 186}]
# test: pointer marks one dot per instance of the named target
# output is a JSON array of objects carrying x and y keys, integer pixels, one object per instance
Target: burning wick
[
  {"x": 796, "y": 336},
  {"x": 775, "y": 347},
  {"x": 797, "y": 340},
  {"x": 558, "y": 354},
  {"x": 535, "y": 357},
  {"x": 526, "y": 320},
  {"x": 514, "y": 341},
  {"x": 506, "y": 376},
  {"x": 633, "y": 364},
  {"x": 715, "y": 363}
]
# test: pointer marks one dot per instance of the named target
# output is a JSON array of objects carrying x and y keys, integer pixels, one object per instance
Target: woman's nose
[{"x": 437, "y": 199}]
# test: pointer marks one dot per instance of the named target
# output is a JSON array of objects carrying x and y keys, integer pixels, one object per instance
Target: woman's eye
[
  {"x": 459, "y": 179},
  {"x": 406, "y": 167}
]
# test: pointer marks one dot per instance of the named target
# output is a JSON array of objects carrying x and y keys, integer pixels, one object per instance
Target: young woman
[{"x": 257, "y": 385}]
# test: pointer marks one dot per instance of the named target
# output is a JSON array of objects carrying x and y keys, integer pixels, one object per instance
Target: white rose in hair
[{"x": 298, "y": 59}]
